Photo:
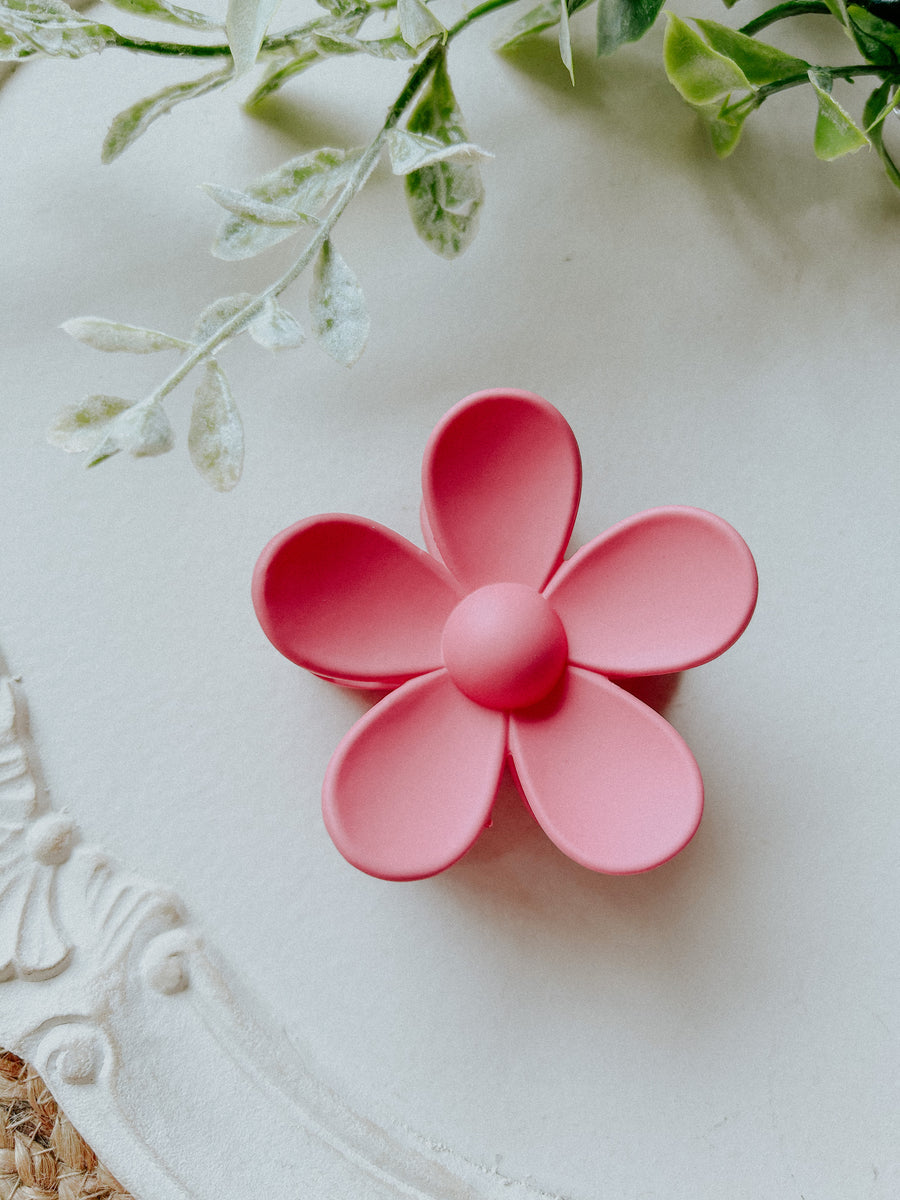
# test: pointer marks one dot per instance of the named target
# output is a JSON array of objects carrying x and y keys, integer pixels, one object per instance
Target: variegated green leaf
[
  {"x": 117, "y": 337},
  {"x": 13, "y": 49},
  {"x": 340, "y": 321},
  {"x": 52, "y": 28},
  {"x": 128, "y": 126},
  {"x": 444, "y": 198},
  {"x": 216, "y": 435},
  {"x": 275, "y": 328},
  {"x": 302, "y": 185},
  {"x": 105, "y": 425}
]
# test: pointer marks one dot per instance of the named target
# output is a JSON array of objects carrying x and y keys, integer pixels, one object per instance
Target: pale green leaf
[
  {"x": 445, "y": 198},
  {"x": 216, "y": 435},
  {"x": 836, "y": 133},
  {"x": 219, "y": 313},
  {"x": 275, "y": 328},
  {"x": 413, "y": 151},
  {"x": 81, "y": 427},
  {"x": 418, "y": 23},
  {"x": 246, "y": 23},
  {"x": 760, "y": 62},
  {"x": 302, "y": 185},
  {"x": 699, "y": 73},
  {"x": 133, "y": 121},
  {"x": 248, "y": 208},
  {"x": 162, "y": 10},
  {"x": 621, "y": 21},
  {"x": 340, "y": 321},
  {"x": 116, "y": 337},
  {"x": 535, "y": 21}
]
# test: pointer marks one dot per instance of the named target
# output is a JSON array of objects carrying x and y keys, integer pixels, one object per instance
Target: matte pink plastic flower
[{"x": 497, "y": 650}]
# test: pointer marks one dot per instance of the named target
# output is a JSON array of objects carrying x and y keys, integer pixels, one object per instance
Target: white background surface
[{"x": 717, "y": 334}]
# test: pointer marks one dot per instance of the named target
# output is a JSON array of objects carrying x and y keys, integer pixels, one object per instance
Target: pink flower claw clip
[{"x": 494, "y": 649}]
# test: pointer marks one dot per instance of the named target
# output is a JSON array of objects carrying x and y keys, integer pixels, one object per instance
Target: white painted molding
[{"x": 114, "y": 998}]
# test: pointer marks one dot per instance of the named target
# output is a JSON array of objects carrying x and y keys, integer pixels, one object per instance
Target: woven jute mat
[{"x": 41, "y": 1155}]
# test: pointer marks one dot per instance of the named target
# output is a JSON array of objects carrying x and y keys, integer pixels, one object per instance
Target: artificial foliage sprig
[{"x": 724, "y": 73}]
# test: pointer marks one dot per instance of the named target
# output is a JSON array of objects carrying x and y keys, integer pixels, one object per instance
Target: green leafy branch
[
  {"x": 444, "y": 191},
  {"x": 725, "y": 74}
]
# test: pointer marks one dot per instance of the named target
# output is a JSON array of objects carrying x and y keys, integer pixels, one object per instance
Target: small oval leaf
[
  {"x": 116, "y": 337},
  {"x": 217, "y": 314},
  {"x": 699, "y": 73},
  {"x": 81, "y": 427},
  {"x": 216, "y": 436},
  {"x": 248, "y": 208},
  {"x": 275, "y": 328},
  {"x": 302, "y": 185},
  {"x": 340, "y": 321}
]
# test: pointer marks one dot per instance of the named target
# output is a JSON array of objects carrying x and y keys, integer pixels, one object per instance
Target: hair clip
[{"x": 494, "y": 649}]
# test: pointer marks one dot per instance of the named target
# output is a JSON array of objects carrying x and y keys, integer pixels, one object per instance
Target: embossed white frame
[{"x": 102, "y": 973}]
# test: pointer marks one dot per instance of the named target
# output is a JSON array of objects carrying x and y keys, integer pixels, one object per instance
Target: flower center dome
[{"x": 504, "y": 646}]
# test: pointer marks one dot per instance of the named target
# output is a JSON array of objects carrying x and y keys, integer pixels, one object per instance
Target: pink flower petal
[
  {"x": 353, "y": 601},
  {"x": 611, "y": 782},
  {"x": 501, "y": 482},
  {"x": 667, "y": 589},
  {"x": 412, "y": 784}
]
